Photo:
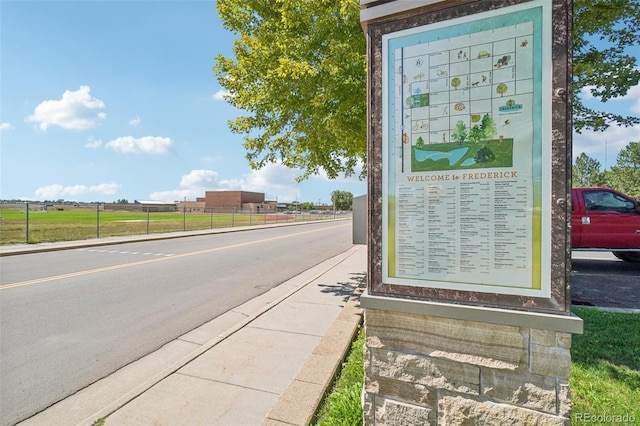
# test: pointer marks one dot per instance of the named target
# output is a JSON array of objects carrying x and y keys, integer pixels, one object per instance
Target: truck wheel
[{"x": 627, "y": 256}]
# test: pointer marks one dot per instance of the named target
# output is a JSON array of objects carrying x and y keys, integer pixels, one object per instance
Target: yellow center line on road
[{"x": 154, "y": 260}]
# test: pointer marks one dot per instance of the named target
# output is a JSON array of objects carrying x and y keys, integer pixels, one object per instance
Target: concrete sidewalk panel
[
  {"x": 215, "y": 328},
  {"x": 185, "y": 400},
  {"x": 260, "y": 359},
  {"x": 301, "y": 318},
  {"x": 110, "y": 393},
  {"x": 323, "y": 292}
]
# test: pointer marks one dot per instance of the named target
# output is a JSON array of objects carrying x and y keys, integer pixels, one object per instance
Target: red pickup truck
[{"x": 605, "y": 219}]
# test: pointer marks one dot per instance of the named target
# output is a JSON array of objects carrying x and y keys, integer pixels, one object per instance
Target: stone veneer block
[
  {"x": 543, "y": 337},
  {"x": 402, "y": 391},
  {"x": 482, "y": 344},
  {"x": 431, "y": 372},
  {"x": 520, "y": 388},
  {"x": 550, "y": 361},
  {"x": 563, "y": 340},
  {"x": 397, "y": 413},
  {"x": 455, "y": 410},
  {"x": 368, "y": 406},
  {"x": 449, "y": 371},
  {"x": 564, "y": 398}
]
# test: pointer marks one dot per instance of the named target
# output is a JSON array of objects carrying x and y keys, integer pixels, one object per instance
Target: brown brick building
[
  {"x": 229, "y": 201},
  {"x": 233, "y": 199}
]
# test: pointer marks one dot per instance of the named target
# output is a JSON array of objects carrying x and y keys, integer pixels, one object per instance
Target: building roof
[{"x": 159, "y": 203}]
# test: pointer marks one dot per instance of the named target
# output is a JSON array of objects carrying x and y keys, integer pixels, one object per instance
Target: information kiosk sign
[{"x": 466, "y": 155}]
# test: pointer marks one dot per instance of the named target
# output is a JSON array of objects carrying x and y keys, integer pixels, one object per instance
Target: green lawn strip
[
  {"x": 605, "y": 373},
  {"x": 342, "y": 404}
]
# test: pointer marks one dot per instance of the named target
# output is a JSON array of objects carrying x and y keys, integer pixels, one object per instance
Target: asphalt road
[
  {"x": 69, "y": 318},
  {"x": 600, "y": 279}
]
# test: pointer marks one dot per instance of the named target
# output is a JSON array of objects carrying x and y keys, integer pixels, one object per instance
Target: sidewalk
[{"x": 269, "y": 361}]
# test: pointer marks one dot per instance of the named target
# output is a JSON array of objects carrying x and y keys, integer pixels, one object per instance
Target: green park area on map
[{"x": 454, "y": 156}]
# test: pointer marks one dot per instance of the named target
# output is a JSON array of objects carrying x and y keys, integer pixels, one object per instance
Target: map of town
[{"x": 464, "y": 101}]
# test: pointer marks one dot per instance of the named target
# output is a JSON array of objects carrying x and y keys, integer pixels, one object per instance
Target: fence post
[
  {"x": 147, "y": 220},
  {"x": 27, "y": 223},
  {"x": 184, "y": 219},
  {"x": 250, "y": 210},
  {"x": 233, "y": 217},
  {"x": 98, "y": 220},
  {"x": 212, "y": 218}
]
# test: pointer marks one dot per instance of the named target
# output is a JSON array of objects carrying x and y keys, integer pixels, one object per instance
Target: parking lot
[{"x": 600, "y": 279}]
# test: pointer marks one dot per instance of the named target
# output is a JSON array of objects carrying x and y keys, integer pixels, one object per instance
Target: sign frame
[{"x": 547, "y": 286}]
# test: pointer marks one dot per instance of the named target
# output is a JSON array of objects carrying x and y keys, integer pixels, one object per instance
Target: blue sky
[{"x": 103, "y": 100}]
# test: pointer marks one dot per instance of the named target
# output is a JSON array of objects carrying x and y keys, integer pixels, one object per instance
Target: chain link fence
[{"x": 42, "y": 222}]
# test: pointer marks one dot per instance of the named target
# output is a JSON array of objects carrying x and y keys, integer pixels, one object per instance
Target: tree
[
  {"x": 625, "y": 175},
  {"x": 475, "y": 134},
  {"x": 602, "y": 31},
  {"x": 299, "y": 70},
  {"x": 455, "y": 83},
  {"x": 501, "y": 89},
  {"x": 461, "y": 133},
  {"x": 342, "y": 200},
  {"x": 420, "y": 143},
  {"x": 484, "y": 155},
  {"x": 307, "y": 205},
  {"x": 488, "y": 127},
  {"x": 586, "y": 172}
]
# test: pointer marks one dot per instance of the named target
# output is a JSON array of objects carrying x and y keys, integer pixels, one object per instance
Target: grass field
[
  {"x": 605, "y": 374},
  {"x": 84, "y": 223}
]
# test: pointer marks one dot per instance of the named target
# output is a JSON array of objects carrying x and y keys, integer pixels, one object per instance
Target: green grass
[
  {"x": 80, "y": 223},
  {"x": 342, "y": 405},
  {"x": 605, "y": 373}
]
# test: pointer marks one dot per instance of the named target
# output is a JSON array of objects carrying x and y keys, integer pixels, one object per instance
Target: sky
[
  {"x": 102, "y": 100},
  {"x": 107, "y": 100}
]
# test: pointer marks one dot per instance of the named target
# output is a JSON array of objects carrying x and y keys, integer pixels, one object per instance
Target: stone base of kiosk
[{"x": 432, "y": 363}]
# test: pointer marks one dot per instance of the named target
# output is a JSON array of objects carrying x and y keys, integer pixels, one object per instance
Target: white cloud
[
  {"x": 93, "y": 143},
  {"x": 199, "y": 179},
  {"x": 221, "y": 95},
  {"x": 275, "y": 180},
  {"x": 352, "y": 179},
  {"x": 634, "y": 95},
  {"x": 5, "y": 126},
  {"x": 605, "y": 146},
  {"x": 143, "y": 145},
  {"x": 105, "y": 188},
  {"x": 135, "y": 121},
  {"x": 56, "y": 191},
  {"x": 585, "y": 93},
  {"x": 76, "y": 111},
  {"x": 175, "y": 195},
  {"x": 49, "y": 192}
]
